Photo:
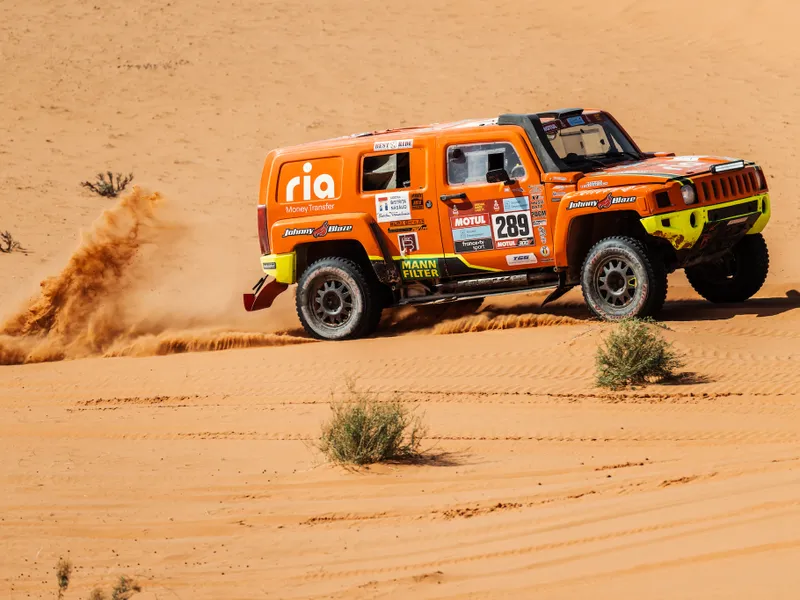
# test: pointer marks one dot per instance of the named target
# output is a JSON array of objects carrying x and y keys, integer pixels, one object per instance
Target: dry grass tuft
[
  {"x": 8, "y": 244},
  {"x": 125, "y": 588},
  {"x": 365, "y": 430},
  {"x": 63, "y": 573},
  {"x": 635, "y": 353}
]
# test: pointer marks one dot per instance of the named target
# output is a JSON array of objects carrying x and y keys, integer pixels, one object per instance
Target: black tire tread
[
  {"x": 755, "y": 248},
  {"x": 372, "y": 306},
  {"x": 656, "y": 274}
]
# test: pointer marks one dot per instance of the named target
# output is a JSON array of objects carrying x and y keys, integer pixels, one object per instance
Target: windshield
[{"x": 589, "y": 141}]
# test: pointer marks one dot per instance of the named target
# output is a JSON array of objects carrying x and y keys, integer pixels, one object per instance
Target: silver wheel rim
[
  {"x": 331, "y": 302},
  {"x": 615, "y": 282}
]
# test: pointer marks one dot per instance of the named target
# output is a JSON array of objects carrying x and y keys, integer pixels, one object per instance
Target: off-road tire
[
  {"x": 330, "y": 284},
  {"x": 736, "y": 276},
  {"x": 621, "y": 279}
]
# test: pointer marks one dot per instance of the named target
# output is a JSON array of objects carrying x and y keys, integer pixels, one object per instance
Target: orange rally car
[{"x": 469, "y": 209}]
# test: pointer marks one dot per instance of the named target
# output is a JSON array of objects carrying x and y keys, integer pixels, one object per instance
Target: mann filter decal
[{"x": 420, "y": 268}]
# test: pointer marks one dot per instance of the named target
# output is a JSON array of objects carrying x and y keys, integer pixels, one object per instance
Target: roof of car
[{"x": 400, "y": 132}]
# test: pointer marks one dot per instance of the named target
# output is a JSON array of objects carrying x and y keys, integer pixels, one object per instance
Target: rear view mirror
[{"x": 498, "y": 176}]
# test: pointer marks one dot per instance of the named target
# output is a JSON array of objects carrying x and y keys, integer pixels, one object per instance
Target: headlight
[{"x": 688, "y": 193}]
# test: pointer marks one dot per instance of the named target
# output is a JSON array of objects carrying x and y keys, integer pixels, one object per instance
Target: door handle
[{"x": 449, "y": 197}]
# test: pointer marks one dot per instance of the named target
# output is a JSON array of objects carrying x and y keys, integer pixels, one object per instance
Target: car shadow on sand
[{"x": 700, "y": 310}]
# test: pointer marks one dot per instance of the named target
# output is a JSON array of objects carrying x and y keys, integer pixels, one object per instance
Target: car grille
[
  {"x": 728, "y": 186},
  {"x": 728, "y": 212}
]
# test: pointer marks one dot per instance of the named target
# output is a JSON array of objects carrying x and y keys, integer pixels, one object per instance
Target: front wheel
[
  {"x": 335, "y": 300},
  {"x": 735, "y": 276},
  {"x": 621, "y": 279}
]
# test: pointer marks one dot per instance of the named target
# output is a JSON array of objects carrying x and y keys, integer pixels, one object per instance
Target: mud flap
[
  {"x": 265, "y": 292},
  {"x": 557, "y": 293}
]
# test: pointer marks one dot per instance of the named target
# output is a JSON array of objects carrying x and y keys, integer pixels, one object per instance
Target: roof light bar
[{"x": 731, "y": 166}]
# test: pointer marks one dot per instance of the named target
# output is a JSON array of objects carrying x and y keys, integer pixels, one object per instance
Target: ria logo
[{"x": 323, "y": 185}]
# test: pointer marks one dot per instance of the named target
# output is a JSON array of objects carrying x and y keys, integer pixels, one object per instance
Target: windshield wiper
[
  {"x": 631, "y": 155},
  {"x": 586, "y": 159}
]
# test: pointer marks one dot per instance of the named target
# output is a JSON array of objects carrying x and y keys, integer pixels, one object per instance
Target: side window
[
  {"x": 386, "y": 172},
  {"x": 469, "y": 163}
]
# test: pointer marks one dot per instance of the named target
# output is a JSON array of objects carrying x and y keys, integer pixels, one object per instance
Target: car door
[
  {"x": 396, "y": 190},
  {"x": 485, "y": 226}
]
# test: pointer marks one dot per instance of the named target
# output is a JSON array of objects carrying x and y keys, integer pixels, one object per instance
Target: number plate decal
[{"x": 511, "y": 225}]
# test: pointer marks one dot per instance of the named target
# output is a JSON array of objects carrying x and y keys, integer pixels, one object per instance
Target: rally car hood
[{"x": 652, "y": 170}]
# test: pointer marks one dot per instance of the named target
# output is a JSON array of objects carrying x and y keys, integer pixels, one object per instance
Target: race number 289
[{"x": 511, "y": 226}]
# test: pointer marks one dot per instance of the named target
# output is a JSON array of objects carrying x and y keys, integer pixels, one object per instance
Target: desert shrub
[
  {"x": 97, "y": 594},
  {"x": 125, "y": 588},
  {"x": 106, "y": 186},
  {"x": 8, "y": 244},
  {"x": 365, "y": 430},
  {"x": 63, "y": 573},
  {"x": 635, "y": 353}
]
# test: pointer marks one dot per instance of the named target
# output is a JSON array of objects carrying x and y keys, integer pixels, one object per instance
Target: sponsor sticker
[
  {"x": 479, "y": 206},
  {"x": 515, "y": 203},
  {"x": 407, "y": 242},
  {"x": 542, "y": 234},
  {"x": 473, "y": 245},
  {"x": 574, "y": 121},
  {"x": 428, "y": 204},
  {"x": 392, "y": 145},
  {"x": 269, "y": 265},
  {"x": 737, "y": 221},
  {"x": 416, "y": 202},
  {"x": 394, "y": 206},
  {"x": 511, "y": 226},
  {"x": 544, "y": 251},
  {"x": 607, "y": 202},
  {"x": 596, "y": 183},
  {"x": 506, "y": 244},
  {"x": 317, "y": 232},
  {"x": 539, "y": 223},
  {"x": 529, "y": 258},
  {"x": 419, "y": 268},
  {"x": 407, "y": 225},
  {"x": 472, "y": 233},
  {"x": 469, "y": 220}
]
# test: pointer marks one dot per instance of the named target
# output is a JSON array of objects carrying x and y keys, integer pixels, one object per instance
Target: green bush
[
  {"x": 365, "y": 430},
  {"x": 635, "y": 353}
]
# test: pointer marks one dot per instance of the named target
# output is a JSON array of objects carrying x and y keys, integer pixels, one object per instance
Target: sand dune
[{"x": 195, "y": 472}]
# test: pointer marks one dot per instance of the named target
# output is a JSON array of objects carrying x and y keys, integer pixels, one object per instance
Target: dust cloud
[{"x": 94, "y": 306}]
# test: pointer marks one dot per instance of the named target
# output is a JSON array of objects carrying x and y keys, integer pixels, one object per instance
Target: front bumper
[{"x": 685, "y": 228}]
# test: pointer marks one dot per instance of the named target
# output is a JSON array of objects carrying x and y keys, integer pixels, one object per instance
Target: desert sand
[{"x": 133, "y": 450}]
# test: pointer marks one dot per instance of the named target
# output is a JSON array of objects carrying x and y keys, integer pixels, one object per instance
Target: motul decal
[
  {"x": 606, "y": 202},
  {"x": 317, "y": 232},
  {"x": 469, "y": 220}
]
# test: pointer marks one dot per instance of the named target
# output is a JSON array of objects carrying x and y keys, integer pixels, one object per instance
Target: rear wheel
[
  {"x": 734, "y": 277},
  {"x": 336, "y": 301},
  {"x": 620, "y": 279}
]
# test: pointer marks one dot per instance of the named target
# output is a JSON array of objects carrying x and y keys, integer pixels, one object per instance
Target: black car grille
[{"x": 728, "y": 212}]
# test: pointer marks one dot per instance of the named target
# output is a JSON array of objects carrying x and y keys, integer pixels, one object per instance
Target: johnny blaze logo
[
  {"x": 606, "y": 202},
  {"x": 317, "y": 232}
]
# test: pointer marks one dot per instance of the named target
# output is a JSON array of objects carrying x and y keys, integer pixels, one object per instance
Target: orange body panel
[{"x": 323, "y": 191}]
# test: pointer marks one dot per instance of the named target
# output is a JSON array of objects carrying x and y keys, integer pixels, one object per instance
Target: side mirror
[{"x": 498, "y": 176}]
